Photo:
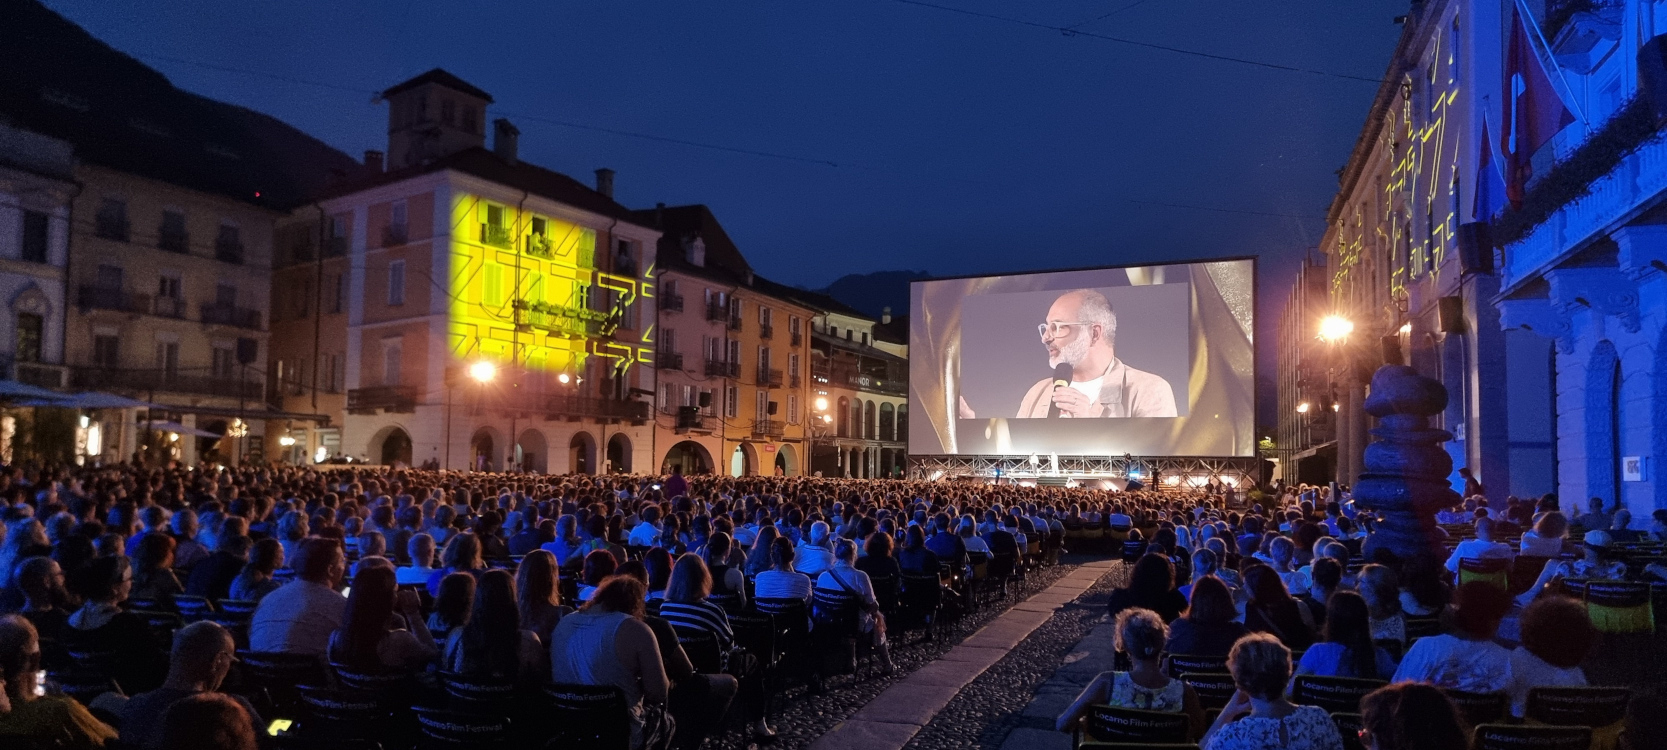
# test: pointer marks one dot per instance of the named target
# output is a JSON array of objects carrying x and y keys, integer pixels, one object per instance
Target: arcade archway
[
  {"x": 691, "y": 456},
  {"x": 619, "y": 454},
  {"x": 581, "y": 454},
  {"x": 532, "y": 453}
]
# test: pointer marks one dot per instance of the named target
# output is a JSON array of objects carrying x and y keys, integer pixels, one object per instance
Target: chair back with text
[
  {"x": 1349, "y": 726},
  {"x": 447, "y": 730},
  {"x": 1178, "y": 664},
  {"x": 1600, "y": 708},
  {"x": 588, "y": 717},
  {"x": 1334, "y": 694},
  {"x": 1620, "y": 606},
  {"x": 1479, "y": 708},
  {"x": 1114, "y": 724},
  {"x": 702, "y": 647},
  {"x": 1495, "y": 571},
  {"x": 1214, "y": 690},
  {"x": 1515, "y": 737}
]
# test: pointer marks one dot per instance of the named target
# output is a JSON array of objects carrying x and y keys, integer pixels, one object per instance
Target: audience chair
[
  {"x": 1620, "y": 606},
  {"x": 278, "y": 675},
  {"x": 439, "y": 729},
  {"x": 918, "y": 604},
  {"x": 834, "y": 631},
  {"x": 371, "y": 682},
  {"x": 1177, "y": 664},
  {"x": 1601, "y": 709},
  {"x": 1492, "y": 570},
  {"x": 474, "y": 694},
  {"x": 885, "y": 592},
  {"x": 238, "y": 607},
  {"x": 1515, "y": 737},
  {"x": 1000, "y": 569},
  {"x": 703, "y": 649},
  {"x": 731, "y": 603},
  {"x": 1214, "y": 690},
  {"x": 587, "y": 717},
  {"x": 193, "y": 608},
  {"x": 341, "y": 714},
  {"x": 1334, "y": 694},
  {"x": 1349, "y": 726},
  {"x": 1525, "y": 570},
  {"x": 1113, "y": 724},
  {"x": 1422, "y": 627},
  {"x": 1479, "y": 708}
]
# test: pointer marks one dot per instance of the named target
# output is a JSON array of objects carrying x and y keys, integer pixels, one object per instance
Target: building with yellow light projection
[{"x": 497, "y": 314}]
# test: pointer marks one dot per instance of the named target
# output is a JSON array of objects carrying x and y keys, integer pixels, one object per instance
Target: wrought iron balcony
[
  {"x": 690, "y": 418},
  {"x": 769, "y": 427},
  {"x": 769, "y": 378},
  {"x": 55, "y": 377},
  {"x": 717, "y": 369},
  {"x": 539, "y": 246},
  {"x": 216, "y": 314},
  {"x": 389, "y": 398},
  {"x": 765, "y": 330},
  {"x": 174, "y": 240},
  {"x": 668, "y": 360},
  {"x": 793, "y": 382},
  {"x": 94, "y": 297},
  {"x": 797, "y": 339},
  {"x": 716, "y": 312},
  {"x": 604, "y": 408},
  {"x": 734, "y": 323},
  {"x": 671, "y": 302},
  {"x": 166, "y": 381},
  {"x": 230, "y": 251},
  {"x": 111, "y": 227},
  {"x": 495, "y": 236},
  {"x": 168, "y": 307}
]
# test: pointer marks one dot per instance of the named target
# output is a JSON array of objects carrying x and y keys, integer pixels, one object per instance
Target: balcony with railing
[
  {"x": 671, "y": 301},
  {"x": 716, "y": 313},
  {"x": 625, "y": 267},
  {"x": 769, "y": 378},
  {"x": 539, "y": 246},
  {"x": 124, "y": 380},
  {"x": 766, "y": 331},
  {"x": 394, "y": 235},
  {"x": 793, "y": 380},
  {"x": 389, "y": 398},
  {"x": 216, "y": 314},
  {"x": 41, "y": 374},
  {"x": 602, "y": 408},
  {"x": 94, "y": 297},
  {"x": 690, "y": 419},
  {"x": 769, "y": 428},
  {"x": 174, "y": 240},
  {"x": 111, "y": 227},
  {"x": 720, "y": 369},
  {"x": 168, "y": 307},
  {"x": 496, "y": 236},
  {"x": 797, "y": 339},
  {"x": 734, "y": 323},
  {"x": 228, "y": 250},
  {"x": 668, "y": 360}
]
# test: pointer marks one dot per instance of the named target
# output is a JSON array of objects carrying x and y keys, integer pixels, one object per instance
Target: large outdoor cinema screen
[{"x": 1152, "y": 360}]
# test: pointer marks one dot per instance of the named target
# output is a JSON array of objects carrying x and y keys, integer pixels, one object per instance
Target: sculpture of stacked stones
[{"x": 1405, "y": 482}]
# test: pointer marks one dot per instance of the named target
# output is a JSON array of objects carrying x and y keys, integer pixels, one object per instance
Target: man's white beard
[{"x": 1071, "y": 354}]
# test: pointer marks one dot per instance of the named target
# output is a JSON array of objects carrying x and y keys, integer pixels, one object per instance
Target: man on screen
[{"x": 1080, "y": 331}]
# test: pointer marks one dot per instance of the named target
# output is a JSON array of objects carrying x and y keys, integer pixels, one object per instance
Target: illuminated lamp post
[{"x": 482, "y": 372}]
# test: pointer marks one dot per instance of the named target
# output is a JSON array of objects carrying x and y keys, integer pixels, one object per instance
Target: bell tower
[{"x": 434, "y": 115}]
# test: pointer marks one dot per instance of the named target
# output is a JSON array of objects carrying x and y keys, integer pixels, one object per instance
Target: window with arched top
[
  {"x": 888, "y": 422},
  {"x": 868, "y": 422},
  {"x": 844, "y": 417}
]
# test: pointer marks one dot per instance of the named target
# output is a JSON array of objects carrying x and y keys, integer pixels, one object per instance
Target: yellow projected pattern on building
[{"x": 525, "y": 289}]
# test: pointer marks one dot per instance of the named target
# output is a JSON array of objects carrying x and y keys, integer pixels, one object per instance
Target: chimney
[
  {"x": 504, "y": 140},
  {"x": 885, "y": 316},
  {"x": 605, "y": 182},
  {"x": 373, "y": 160},
  {"x": 659, "y": 216}
]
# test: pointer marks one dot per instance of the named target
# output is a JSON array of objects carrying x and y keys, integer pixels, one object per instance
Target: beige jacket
[{"x": 1125, "y": 392}]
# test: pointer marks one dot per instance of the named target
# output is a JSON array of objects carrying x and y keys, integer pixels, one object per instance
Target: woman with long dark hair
[
  {"x": 1151, "y": 586},
  {"x": 1270, "y": 609},
  {"x": 1208, "y": 627},
  {"x": 369, "y": 640},
  {"x": 1348, "y": 650},
  {"x": 493, "y": 644},
  {"x": 451, "y": 607},
  {"x": 255, "y": 581},
  {"x": 538, "y": 591},
  {"x": 658, "y": 564}
]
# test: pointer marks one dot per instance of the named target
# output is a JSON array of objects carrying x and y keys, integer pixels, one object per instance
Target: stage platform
[{"x": 1099, "y": 472}]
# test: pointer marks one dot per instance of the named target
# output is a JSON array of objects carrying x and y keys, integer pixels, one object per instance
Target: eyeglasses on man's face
[{"x": 1053, "y": 329}]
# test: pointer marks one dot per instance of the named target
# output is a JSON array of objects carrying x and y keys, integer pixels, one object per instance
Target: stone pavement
[{"x": 892, "y": 718}]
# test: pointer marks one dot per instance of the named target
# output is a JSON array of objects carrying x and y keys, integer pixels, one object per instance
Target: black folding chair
[
  {"x": 1178, "y": 664},
  {"x": 587, "y": 717},
  {"x": 1334, "y": 694},
  {"x": 1113, "y": 724},
  {"x": 439, "y": 729},
  {"x": 1515, "y": 737}
]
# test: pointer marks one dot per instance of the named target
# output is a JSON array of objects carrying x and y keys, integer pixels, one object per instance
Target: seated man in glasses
[{"x": 1080, "y": 331}]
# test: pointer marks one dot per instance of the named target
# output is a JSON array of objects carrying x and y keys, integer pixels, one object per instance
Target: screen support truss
[{"x": 1171, "y": 471}]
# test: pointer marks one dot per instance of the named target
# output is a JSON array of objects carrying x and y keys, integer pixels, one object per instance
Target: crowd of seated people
[
  {"x": 153, "y": 584},
  {"x": 139, "y": 577}
]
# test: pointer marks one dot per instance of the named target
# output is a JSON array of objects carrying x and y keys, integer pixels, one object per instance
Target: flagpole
[{"x": 1530, "y": 21}]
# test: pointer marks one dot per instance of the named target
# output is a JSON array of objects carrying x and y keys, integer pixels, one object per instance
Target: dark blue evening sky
[{"x": 963, "y": 144}]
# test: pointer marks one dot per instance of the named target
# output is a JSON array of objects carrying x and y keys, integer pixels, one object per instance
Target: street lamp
[
  {"x": 1302, "y": 408},
  {"x": 1335, "y": 328},
  {"x": 483, "y": 371}
]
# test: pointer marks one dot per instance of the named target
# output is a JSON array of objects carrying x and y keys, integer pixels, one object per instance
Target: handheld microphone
[{"x": 1061, "y": 378}]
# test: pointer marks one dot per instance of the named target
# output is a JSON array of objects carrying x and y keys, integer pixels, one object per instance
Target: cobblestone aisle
[{"x": 893, "y": 718}]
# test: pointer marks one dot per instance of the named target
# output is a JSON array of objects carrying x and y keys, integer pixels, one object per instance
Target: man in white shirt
[
  {"x": 299, "y": 616},
  {"x": 1481, "y": 548},
  {"x": 647, "y": 532},
  {"x": 814, "y": 555}
]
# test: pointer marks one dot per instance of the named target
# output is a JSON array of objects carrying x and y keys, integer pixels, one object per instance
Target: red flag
[{"x": 1533, "y": 110}]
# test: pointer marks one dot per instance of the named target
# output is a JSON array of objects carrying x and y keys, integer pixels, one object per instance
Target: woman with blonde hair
[
  {"x": 538, "y": 590},
  {"x": 1141, "y": 634},
  {"x": 1259, "y": 717}
]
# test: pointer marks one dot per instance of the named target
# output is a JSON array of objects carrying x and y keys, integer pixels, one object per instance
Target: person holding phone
[
  {"x": 25, "y": 712},
  {"x": 367, "y": 641}
]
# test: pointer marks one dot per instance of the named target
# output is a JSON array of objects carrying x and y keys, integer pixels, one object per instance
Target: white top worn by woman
[
  {"x": 1306, "y": 728},
  {"x": 1529, "y": 671},
  {"x": 1452, "y": 662}
]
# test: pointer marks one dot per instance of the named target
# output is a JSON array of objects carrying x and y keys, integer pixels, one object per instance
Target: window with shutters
[
  {"x": 396, "y": 283},
  {"x": 732, "y": 401},
  {"x": 393, "y": 351}
]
